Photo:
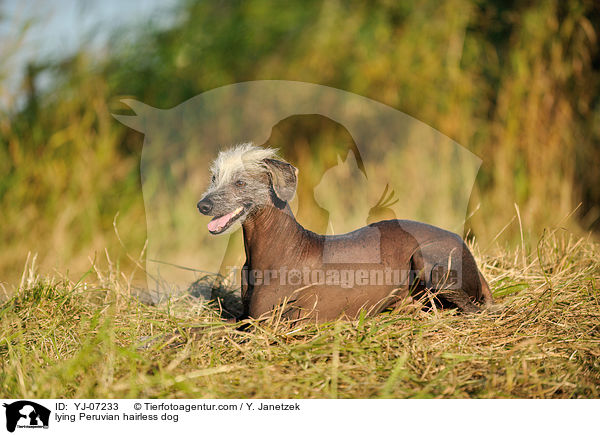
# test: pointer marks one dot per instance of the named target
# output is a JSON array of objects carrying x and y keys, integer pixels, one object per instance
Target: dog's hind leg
[{"x": 486, "y": 292}]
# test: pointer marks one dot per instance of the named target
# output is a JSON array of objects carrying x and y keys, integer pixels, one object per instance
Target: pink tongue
[{"x": 218, "y": 223}]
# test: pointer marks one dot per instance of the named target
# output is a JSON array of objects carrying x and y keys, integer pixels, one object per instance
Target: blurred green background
[{"x": 517, "y": 83}]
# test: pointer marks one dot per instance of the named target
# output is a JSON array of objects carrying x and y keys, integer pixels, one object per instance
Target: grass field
[
  {"x": 515, "y": 83},
  {"x": 66, "y": 339}
]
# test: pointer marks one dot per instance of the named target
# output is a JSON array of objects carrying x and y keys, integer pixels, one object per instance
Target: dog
[{"x": 324, "y": 277}]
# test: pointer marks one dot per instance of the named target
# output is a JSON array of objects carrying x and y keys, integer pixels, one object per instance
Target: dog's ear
[{"x": 284, "y": 178}]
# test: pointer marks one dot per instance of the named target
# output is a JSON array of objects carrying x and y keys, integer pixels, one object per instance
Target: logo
[
  {"x": 359, "y": 162},
  {"x": 26, "y": 414},
  {"x": 443, "y": 277}
]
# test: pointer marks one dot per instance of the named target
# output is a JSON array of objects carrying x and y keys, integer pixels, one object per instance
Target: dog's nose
[{"x": 205, "y": 206}]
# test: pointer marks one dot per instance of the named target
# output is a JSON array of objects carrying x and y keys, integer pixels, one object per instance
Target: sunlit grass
[
  {"x": 93, "y": 338},
  {"x": 515, "y": 84}
]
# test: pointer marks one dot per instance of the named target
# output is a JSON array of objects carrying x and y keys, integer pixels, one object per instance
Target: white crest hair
[{"x": 245, "y": 157}]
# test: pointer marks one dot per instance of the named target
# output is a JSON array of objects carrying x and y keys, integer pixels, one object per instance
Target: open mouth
[{"x": 219, "y": 224}]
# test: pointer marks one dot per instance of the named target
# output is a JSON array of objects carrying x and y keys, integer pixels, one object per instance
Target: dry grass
[{"x": 60, "y": 338}]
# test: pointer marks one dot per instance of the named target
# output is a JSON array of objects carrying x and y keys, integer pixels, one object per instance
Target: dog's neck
[{"x": 272, "y": 234}]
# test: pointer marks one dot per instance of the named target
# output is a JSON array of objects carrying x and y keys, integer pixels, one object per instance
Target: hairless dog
[{"x": 319, "y": 277}]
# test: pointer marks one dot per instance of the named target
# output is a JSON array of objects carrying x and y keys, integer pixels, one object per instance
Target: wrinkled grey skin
[{"x": 274, "y": 240}]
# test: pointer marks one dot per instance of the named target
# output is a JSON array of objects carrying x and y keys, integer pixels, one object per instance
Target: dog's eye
[
  {"x": 213, "y": 179},
  {"x": 240, "y": 183}
]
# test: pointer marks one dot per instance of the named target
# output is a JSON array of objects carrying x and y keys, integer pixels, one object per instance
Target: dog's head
[{"x": 244, "y": 179}]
